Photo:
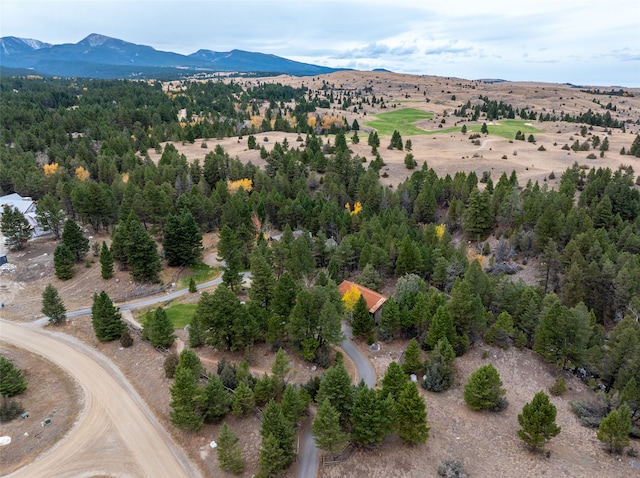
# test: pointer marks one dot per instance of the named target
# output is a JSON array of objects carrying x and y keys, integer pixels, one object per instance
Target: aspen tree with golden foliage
[
  {"x": 50, "y": 169},
  {"x": 81, "y": 173},
  {"x": 350, "y": 298}
]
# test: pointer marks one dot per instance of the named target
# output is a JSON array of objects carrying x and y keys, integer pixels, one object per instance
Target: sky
[{"x": 585, "y": 42}]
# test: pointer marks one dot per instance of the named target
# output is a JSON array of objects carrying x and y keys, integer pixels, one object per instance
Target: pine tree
[
  {"x": 412, "y": 416},
  {"x": 281, "y": 366},
  {"x": 243, "y": 401},
  {"x": 14, "y": 227},
  {"x": 106, "y": 262},
  {"x": 412, "y": 362},
  {"x": 538, "y": 421},
  {"x": 615, "y": 428},
  {"x": 12, "y": 380},
  {"x": 326, "y": 429},
  {"x": 393, "y": 381},
  {"x": 501, "y": 331},
  {"x": 52, "y": 305},
  {"x": 484, "y": 388},
  {"x": 389, "y": 320},
  {"x": 372, "y": 417},
  {"x": 273, "y": 459},
  {"x": 50, "y": 215},
  {"x": 263, "y": 282},
  {"x": 215, "y": 402},
  {"x": 158, "y": 329},
  {"x": 107, "y": 321},
  {"x": 477, "y": 220},
  {"x": 142, "y": 253},
  {"x": 230, "y": 452},
  {"x": 188, "y": 359},
  {"x": 441, "y": 327},
  {"x": 63, "y": 262},
  {"x": 361, "y": 321},
  {"x": 73, "y": 238},
  {"x": 294, "y": 403},
  {"x": 336, "y": 387},
  {"x": 439, "y": 368},
  {"x": 275, "y": 424},
  {"x": 182, "y": 240},
  {"x": 185, "y": 393}
]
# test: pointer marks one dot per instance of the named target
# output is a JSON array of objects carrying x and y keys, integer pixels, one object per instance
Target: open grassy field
[
  {"x": 401, "y": 120},
  {"x": 504, "y": 128},
  {"x": 180, "y": 314}
]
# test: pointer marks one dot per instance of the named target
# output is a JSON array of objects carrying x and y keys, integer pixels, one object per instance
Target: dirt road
[{"x": 116, "y": 433}]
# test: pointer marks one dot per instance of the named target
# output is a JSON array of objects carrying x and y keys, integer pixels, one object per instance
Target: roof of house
[
  {"x": 374, "y": 300},
  {"x": 22, "y": 204}
]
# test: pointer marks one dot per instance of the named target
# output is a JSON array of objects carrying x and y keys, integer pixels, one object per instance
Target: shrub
[
  {"x": 10, "y": 409},
  {"x": 125, "y": 339},
  {"x": 542, "y": 148},
  {"x": 552, "y": 175},
  {"x": 591, "y": 156},
  {"x": 170, "y": 364},
  {"x": 589, "y": 415},
  {"x": 558, "y": 388},
  {"x": 451, "y": 469}
]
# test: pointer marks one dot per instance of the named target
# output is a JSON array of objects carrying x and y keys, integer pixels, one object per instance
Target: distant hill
[{"x": 99, "y": 56}]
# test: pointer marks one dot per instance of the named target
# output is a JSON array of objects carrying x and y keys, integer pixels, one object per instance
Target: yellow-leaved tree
[
  {"x": 50, "y": 169},
  {"x": 244, "y": 183},
  {"x": 81, "y": 173},
  {"x": 350, "y": 298},
  {"x": 440, "y": 230}
]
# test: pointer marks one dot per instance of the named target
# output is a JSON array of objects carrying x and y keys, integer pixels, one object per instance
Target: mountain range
[{"x": 99, "y": 56}]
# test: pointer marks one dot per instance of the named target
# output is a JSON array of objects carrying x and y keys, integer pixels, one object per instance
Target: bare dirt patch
[{"x": 52, "y": 394}]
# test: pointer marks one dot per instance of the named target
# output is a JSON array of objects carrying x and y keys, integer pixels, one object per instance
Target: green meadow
[
  {"x": 180, "y": 314},
  {"x": 200, "y": 273},
  {"x": 401, "y": 120},
  {"x": 505, "y": 128}
]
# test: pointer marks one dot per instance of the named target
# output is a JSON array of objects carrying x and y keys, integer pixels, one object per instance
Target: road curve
[
  {"x": 308, "y": 456},
  {"x": 116, "y": 433}
]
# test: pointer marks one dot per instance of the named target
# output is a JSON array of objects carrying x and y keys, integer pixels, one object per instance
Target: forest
[{"x": 80, "y": 147}]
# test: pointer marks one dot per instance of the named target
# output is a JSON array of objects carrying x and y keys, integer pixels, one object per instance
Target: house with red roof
[{"x": 375, "y": 301}]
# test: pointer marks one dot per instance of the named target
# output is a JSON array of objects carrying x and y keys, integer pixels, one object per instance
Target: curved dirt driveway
[{"x": 116, "y": 434}]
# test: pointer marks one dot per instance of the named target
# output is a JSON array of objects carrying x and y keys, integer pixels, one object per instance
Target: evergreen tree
[
  {"x": 230, "y": 452},
  {"x": 142, "y": 253},
  {"x": 439, "y": 368},
  {"x": 336, "y": 387},
  {"x": 562, "y": 335},
  {"x": 215, "y": 401},
  {"x": 372, "y": 417},
  {"x": 63, "y": 262},
  {"x": 615, "y": 428},
  {"x": 107, "y": 321},
  {"x": 182, "y": 241},
  {"x": 467, "y": 310},
  {"x": 12, "y": 380},
  {"x": 281, "y": 366},
  {"x": 477, "y": 220},
  {"x": 15, "y": 227},
  {"x": 185, "y": 393},
  {"x": 441, "y": 327},
  {"x": 273, "y": 459},
  {"x": 158, "y": 329},
  {"x": 275, "y": 424},
  {"x": 188, "y": 359},
  {"x": 361, "y": 321},
  {"x": 50, "y": 215},
  {"x": 229, "y": 251},
  {"x": 106, "y": 262},
  {"x": 412, "y": 416},
  {"x": 73, "y": 238},
  {"x": 538, "y": 421},
  {"x": 326, "y": 429},
  {"x": 294, "y": 403},
  {"x": 412, "y": 362},
  {"x": 192, "y": 286},
  {"x": 243, "y": 401},
  {"x": 393, "y": 381},
  {"x": 484, "y": 388},
  {"x": 501, "y": 331},
  {"x": 389, "y": 320},
  {"x": 263, "y": 282},
  {"x": 52, "y": 305}
]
